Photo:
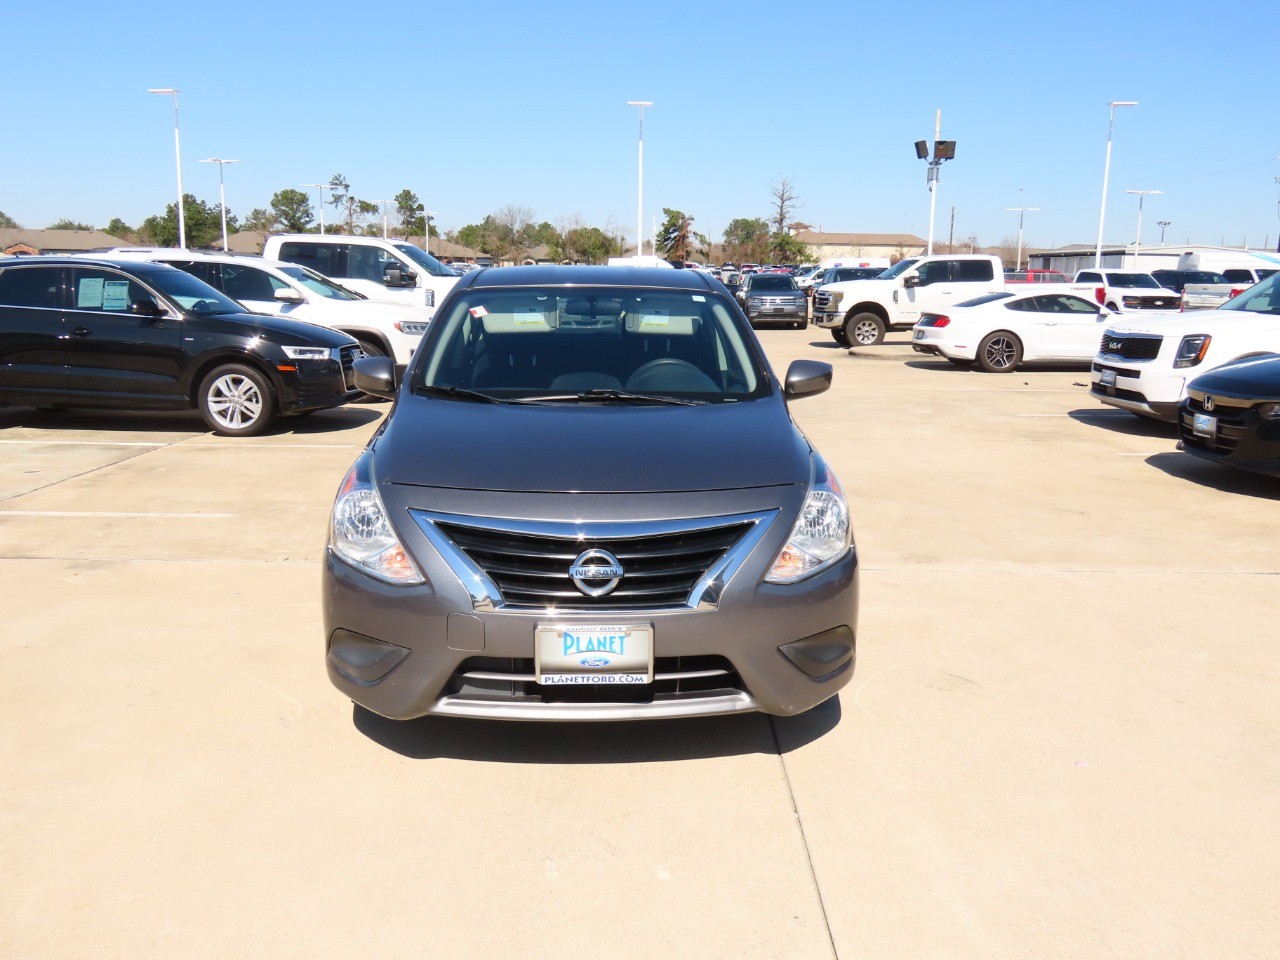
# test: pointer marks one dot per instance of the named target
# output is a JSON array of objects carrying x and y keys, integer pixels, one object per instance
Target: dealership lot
[{"x": 1060, "y": 740}]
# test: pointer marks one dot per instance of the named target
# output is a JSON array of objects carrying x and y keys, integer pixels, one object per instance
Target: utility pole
[{"x": 951, "y": 236}]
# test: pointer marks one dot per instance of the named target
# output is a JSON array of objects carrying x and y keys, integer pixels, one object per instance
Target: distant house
[
  {"x": 828, "y": 246},
  {"x": 246, "y": 241},
  {"x": 17, "y": 241}
]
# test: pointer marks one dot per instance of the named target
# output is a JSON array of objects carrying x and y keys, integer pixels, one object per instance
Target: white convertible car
[{"x": 1001, "y": 331}]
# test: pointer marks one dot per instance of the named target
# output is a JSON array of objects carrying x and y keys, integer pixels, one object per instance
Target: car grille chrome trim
[{"x": 524, "y": 565}]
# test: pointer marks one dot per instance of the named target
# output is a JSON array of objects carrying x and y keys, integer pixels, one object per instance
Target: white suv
[
  {"x": 288, "y": 290},
  {"x": 1127, "y": 291}
]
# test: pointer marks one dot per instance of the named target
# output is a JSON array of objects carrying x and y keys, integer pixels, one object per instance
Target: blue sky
[{"x": 474, "y": 107}]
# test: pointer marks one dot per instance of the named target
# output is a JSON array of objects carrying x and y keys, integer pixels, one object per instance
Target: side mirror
[
  {"x": 376, "y": 376},
  {"x": 806, "y": 378},
  {"x": 146, "y": 307},
  {"x": 286, "y": 295},
  {"x": 911, "y": 280},
  {"x": 392, "y": 277}
]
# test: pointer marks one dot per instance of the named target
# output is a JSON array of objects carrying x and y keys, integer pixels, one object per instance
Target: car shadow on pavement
[
  {"x": 636, "y": 741},
  {"x": 180, "y": 421},
  {"x": 1207, "y": 474},
  {"x": 1121, "y": 421}
]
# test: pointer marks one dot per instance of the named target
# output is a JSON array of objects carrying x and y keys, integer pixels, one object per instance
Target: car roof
[{"x": 559, "y": 276}]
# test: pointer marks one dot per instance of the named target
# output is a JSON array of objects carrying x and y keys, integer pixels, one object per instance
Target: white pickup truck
[
  {"x": 1144, "y": 363},
  {"x": 859, "y": 312}
]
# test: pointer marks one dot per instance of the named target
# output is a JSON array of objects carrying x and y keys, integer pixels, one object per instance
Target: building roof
[
  {"x": 246, "y": 241},
  {"x": 816, "y": 237},
  {"x": 57, "y": 241}
]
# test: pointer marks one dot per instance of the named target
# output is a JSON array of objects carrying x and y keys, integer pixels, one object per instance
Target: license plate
[
  {"x": 1107, "y": 378},
  {"x": 593, "y": 654},
  {"x": 1205, "y": 425},
  {"x": 918, "y": 335},
  {"x": 777, "y": 309}
]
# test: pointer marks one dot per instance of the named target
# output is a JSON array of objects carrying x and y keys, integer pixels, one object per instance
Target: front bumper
[
  {"x": 1142, "y": 390},
  {"x": 1241, "y": 438},
  {"x": 316, "y": 384},
  {"x": 437, "y": 651}
]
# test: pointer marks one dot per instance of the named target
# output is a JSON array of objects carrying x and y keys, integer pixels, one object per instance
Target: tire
[
  {"x": 371, "y": 348},
  {"x": 1113, "y": 308},
  {"x": 864, "y": 330},
  {"x": 837, "y": 334},
  {"x": 1000, "y": 352},
  {"x": 237, "y": 401}
]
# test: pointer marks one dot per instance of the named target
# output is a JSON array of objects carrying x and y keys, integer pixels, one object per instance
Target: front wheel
[
  {"x": 864, "y": 330},
  {"x": 837, "y": 334},
  {"x": 237, "y": 401},
  {"x": 1000, "y": 352}
]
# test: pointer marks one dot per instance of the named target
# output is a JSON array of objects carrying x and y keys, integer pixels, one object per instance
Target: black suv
[{"x": 81, "y": 332}]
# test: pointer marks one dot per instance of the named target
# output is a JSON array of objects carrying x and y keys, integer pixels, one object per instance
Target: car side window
[
  {"x": 208, "y": 272},
  {"x": 974, "y": 271},
  {"x": 30, "y": 287},
  {"x": 329, "y": 259},
  {"x": 365, "y": 263},
  {"x": 103, "y": 291},
  {"x": 1089, "y": 278},
  {"x": 1065, "y": 303},
  {"x": 1023, "y": 306},
  {"x": 242, "y": 282}
]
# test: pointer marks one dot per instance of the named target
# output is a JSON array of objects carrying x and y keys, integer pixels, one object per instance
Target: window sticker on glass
[
  {"x": 699, "y": 298},
  {"x": 528, "y": 315},
  {"x": 115, "y": 294},
  {"x": 89, "y": 293},
  {"x": 650, "y": 317},
  {"x": 479, "y": 312}
]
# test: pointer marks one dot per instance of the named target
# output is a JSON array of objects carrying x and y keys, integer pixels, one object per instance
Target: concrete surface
[{"x": 1061, "y": 740}]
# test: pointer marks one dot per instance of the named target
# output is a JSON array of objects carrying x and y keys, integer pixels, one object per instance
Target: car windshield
[
  {"x": 590, "y": 344},
  {"x": 985, "y": 298},
  {"x": 425, "y": 260},
  {"x": 1201, "y": 276},
  {"x": 190, "y": 293},
  {"x": 1132, "y": 280},
  {"x": 772, "y": 281},
  {"x": 1263, "y": 298},
  {"x": 320, "y": 285},
  {"x": 897, "y": 269}
]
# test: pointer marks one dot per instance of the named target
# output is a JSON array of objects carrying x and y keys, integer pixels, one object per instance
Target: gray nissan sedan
[{"x": 589, "y": 502}]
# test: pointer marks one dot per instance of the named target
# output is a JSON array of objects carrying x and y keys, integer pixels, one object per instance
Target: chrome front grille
[{"x": 512, "y": 564}]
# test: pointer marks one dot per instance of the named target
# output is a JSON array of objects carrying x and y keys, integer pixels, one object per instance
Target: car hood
[
  {"x": 286, "y": 331},
  {"x": 1257, "y": 378},
  {"x": 590, "y": 448},
  {"x": 1197, "y": 321}
]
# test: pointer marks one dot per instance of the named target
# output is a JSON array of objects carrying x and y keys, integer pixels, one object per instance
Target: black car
[
  {"x": 1177, "y": 279},
  {"x": 1232, "y": 415},
  {"x": 82, "y": 332}
]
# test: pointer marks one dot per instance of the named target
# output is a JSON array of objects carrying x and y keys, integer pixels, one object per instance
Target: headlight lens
[
  {"x": 822, "y": 533},
  {"x": 1269, "y": 411},
  {"x": 361, "y": 534},
  {"x": 308, "y": 353},
  {"x": 414, "y": 328},
  {"x": 1192, "y": 350}
]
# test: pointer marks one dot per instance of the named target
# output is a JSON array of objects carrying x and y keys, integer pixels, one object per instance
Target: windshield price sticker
[{"x": 594, "y": 654}]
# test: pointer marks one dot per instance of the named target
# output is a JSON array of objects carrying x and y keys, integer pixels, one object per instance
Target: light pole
[
  {"x": 1163, "y": 224},
  {"x": 222, "y": 195},
  {"x": 640, "y": 178},
  {"x": 1142, "y": 195},
  {"x": 1106, "y": 174},
  {"x": 427, "y": 215},
  {"x": 177, "y": 152},
  {"x": 322, "y": 188},
  {"x": 942, "y": 150},
  {"x": 1021, "y": 211},
  {"x": 384, "y": 216}
]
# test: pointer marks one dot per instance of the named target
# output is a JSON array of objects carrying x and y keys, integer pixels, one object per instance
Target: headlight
[
  {"x": 755, "y": 301},
  {"x": 1192, "y": 350},
  {"x": 361, "y": 534},
  {"x": 309, "y": 353},
  {"x": 414, "y": 328},
  {"x": 1269, "y": 411},
  {"x": 822, "y": 533}
]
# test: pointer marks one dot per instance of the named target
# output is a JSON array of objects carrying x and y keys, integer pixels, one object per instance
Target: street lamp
[
  {"x": 384, "y": 215},
  {"x": 1020, "y": 211},
  {"x": 1142, "y": 195},
  {"x": 322, "y": 188},
  {"x": 1106, "y": 174},
  {"x": 222, "y": 195},
  {"x": 1163, "y": 224},
  {"x": 427, "y": 216},
  {"x": 942, "y": 150},
  {"x": 177, "y": 152},
  {"x": 640, "y": 181}
]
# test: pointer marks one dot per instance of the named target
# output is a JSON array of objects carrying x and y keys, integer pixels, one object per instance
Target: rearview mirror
[
  {"x": 286, "y": 295},
  {"x": 376, "y": 376}
]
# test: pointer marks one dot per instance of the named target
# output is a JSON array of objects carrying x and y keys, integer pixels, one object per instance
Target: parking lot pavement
[{"x": 1060, "y": 740}]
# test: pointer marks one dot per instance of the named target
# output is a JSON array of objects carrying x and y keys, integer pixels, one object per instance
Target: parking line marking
[
  {"x": 109, "y": 513},
  {"x": 95, "y": 443},
  {"x": 1078, "y": 413}
]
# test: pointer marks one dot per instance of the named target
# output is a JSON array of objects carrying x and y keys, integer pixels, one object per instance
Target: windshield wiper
[
  {"x": 461, "y": 394},
  {"x": 588, "y": 396}
]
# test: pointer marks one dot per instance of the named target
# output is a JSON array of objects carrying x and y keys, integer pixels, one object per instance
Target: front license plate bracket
[{"x": 593, "y": 654}]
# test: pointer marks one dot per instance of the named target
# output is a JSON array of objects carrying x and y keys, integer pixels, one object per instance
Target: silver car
[{"x": 590, "y": 502}]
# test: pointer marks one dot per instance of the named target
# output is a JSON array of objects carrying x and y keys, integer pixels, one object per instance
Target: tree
[
  {"x": 203, "y": 224},
  {"x": 786, "y": 248},
  {"x": 746, "y": 240},
  {"x": 259, "y": 219},
  {"x": 65, "y": 224},
  {"x": 514, "y": 238},
  {"x": 8, "y": 223},
  {"x": 347, "y": 203},
  {"x": 591, "y": 245},
  {"x": 410, "y": 210},
  {"x": 676, "y": 237},
  {"x": 785, "y": 201},
  {"x": 118, "y": 228},
  {"x": 291, "y": 209}
]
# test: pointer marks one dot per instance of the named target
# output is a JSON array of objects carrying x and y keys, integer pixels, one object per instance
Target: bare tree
[
  {"x": 785, "y": 203},
  {"x": 516, "y": 223}
]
